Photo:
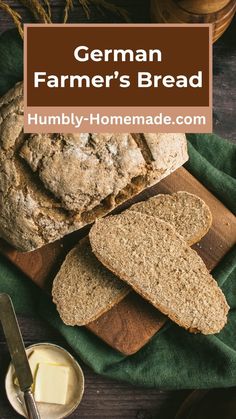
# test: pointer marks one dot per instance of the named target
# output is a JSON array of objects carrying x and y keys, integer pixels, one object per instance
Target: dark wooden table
[{"x": 106, "y": 398}]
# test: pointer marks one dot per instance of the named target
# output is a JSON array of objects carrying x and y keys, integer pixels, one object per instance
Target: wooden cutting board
[{"x": 129, "y": 325}]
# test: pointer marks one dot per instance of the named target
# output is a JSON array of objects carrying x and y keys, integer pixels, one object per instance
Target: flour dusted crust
[
  {"x": 51, "y": 185},
  {"x": 83, "y": 170}
]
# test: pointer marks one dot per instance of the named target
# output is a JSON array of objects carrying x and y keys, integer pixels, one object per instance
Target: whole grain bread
[
  {"x": 83, "y": 289},
  {"x": 75, "y": 277},
  {"x": 51, "y": 185},
  {"x": 187, "y": 213},
  {"x": 155, "y": 261}
]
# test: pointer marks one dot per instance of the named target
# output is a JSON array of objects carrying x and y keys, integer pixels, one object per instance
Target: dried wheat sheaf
[{"x": 41, "y": 11}]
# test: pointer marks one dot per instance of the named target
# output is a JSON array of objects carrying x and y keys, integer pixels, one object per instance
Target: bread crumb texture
[
  {"x": 76, "y": 276},
  {"x": 155, "y": 261},
  {"x": 187, "y": 213},
  {"x": 51, "y": 185},
  {"x": 84, "y": 289}
]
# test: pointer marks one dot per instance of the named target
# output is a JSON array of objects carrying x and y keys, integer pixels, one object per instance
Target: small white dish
[{"x": 46, "y": 410}]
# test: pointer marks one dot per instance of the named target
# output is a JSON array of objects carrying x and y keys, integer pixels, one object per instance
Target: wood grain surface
[
  {"x": 106, "y": 398},
  {"x": 137, "y": 321},
  {"x": 129, "y": 325},
  {"x": 218, "y": 13},
  {"x": 202, "y": 6}
]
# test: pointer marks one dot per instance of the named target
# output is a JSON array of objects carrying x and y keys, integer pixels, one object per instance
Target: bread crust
[
  {"x": 187, "y": 213},
  {"x": 67, "y": 319},
  {"x": 48, "y": 182},
  {"x": 83, "y": 289},
  {"x": 146, "y": 208},
  {"x": 101, "y": 250}
]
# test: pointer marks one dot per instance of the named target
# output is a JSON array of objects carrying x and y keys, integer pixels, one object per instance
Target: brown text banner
[{"x": 114, "y": 76}]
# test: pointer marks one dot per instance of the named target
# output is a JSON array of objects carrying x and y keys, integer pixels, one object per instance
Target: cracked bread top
[
  {"x": 53, "y": 184},
  {"x": 82, "y": 170}
]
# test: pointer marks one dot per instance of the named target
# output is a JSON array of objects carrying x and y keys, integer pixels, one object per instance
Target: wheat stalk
[
  {"x": 68, "y": 7},
  {"x": 38, "y": 11},
  {"x": 85, "y": 5},
  {"x": 15, "y": 16},
  {"x": 100, "y": 4},
  {"x": 104, "y": 4},
  {"x": 48, "y": 7},
  {"x": 44, "y": 16}
]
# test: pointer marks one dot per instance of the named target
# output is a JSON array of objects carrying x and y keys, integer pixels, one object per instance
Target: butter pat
[
  {"x": 35, "y": 358},
  {"x": 51, "y": 383}
]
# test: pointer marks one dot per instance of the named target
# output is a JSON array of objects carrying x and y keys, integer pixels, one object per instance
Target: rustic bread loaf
[
  {"x": 51, "y": 185},
  {"x": 83, "y": 289},
  {"x": 187, "y": 213},
  {"x": 155, "y": 261},
  {"x": 81, "y": 270}
]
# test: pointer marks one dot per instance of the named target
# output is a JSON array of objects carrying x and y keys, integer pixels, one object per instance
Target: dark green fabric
[
  {"x": 11, "y": 60},
  {"x": 174, "y": 358},
  {"x": 213, "y": 162}
]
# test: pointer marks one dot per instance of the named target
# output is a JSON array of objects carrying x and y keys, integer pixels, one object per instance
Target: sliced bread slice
[
  {"x": 187, "y": 213},
  {"x": 70, "y": 273},
  {"x": 83, "y": 289},
  {"x": 149, "y": 255}
]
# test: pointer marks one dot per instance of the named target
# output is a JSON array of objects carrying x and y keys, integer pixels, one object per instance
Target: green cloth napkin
[{"x": 174, "y": 358}]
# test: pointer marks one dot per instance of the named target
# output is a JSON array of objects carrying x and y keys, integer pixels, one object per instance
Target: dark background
[{"x": 107, "y": 399}]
